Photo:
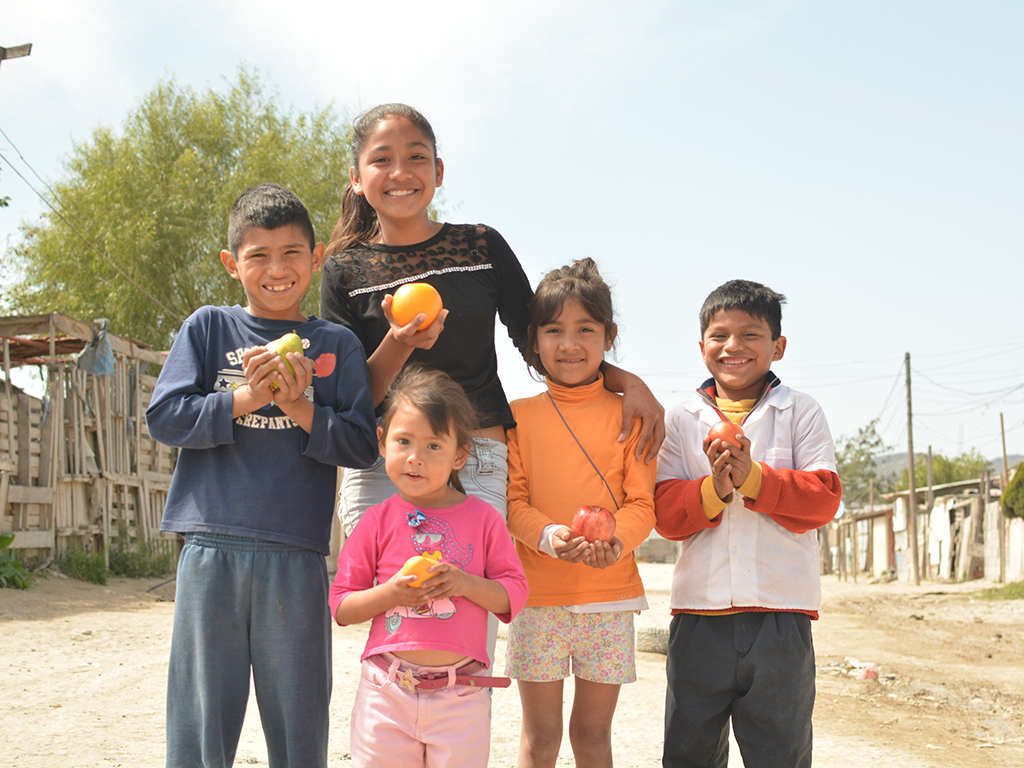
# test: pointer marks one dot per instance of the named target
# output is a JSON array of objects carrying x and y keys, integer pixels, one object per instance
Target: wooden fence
[{"x": 79, "y": 464}]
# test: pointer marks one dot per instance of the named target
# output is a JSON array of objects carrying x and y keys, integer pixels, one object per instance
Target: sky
[{"x": 865, "y": 159}]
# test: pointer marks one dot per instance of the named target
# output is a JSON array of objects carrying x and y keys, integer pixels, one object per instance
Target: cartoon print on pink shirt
[
  {"x": 435, "y": 534},
  {"x": 431, "y": 534}
]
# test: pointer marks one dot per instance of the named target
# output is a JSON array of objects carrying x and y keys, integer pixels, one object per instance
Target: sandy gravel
[{"x": 82, "y": 679}]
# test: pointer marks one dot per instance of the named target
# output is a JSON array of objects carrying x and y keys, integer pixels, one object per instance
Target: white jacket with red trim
[{"x": 758, "y": 554}]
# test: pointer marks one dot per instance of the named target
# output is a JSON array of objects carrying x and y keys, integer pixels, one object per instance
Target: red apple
[
  {"x": 593, "y": 524},
  {"x": 727, "y": 432}
]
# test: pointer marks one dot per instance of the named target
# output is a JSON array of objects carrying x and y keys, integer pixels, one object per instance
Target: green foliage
[
  {"x": 970, "y": 465},
  {"x": 12, "y": 572},
  {"x": 144, "y": 559},
  {"x": 1012, "y": 500},
  {"x": 1014, "y": 591},
  {"x": 82, "y": 565},
  {"x": 856, "y": 460},
  {"x": 155, "y": 197}
]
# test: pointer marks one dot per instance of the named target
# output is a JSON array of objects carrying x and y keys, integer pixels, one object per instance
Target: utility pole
[
  {"x": 15, "y": 52},
  {"x": 912, "y": 496},
  {"x": 1000, "y": 517},
  {"x": 926, "y": 566}
]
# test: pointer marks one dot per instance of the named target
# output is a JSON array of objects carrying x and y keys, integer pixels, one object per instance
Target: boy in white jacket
[{"x": 746, "y": 585}]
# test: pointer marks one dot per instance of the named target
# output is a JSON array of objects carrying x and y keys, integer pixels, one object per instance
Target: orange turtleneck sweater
[{"x": 550, "y": 478}]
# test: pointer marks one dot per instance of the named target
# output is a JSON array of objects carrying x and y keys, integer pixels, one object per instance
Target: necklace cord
[{"x": 553, "y": 403}]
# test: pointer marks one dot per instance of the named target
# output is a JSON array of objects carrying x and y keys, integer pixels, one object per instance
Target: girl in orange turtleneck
[{"x": 564, "y": 454}]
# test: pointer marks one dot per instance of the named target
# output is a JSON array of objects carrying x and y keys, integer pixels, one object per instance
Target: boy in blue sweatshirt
[{"x": 253, "y": 493}]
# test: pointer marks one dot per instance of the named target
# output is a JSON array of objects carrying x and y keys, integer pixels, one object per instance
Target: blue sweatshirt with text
[{"x": 261, "y": 475}]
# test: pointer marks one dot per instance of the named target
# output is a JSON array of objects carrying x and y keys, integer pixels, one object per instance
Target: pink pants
[{"x": 393, "y": 725}]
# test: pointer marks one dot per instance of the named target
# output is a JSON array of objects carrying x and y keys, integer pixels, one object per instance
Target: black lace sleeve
[{"x": 514, "y": 291}]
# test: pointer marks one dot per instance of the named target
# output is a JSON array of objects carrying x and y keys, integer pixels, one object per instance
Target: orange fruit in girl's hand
[
  {"x": 417, "y": 566},
  {"x": 412, "y": 299}
]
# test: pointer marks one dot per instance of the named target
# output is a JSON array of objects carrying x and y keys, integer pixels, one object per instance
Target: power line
[
  {"x": 29, "y": 165},
  {"x": 84, "y": 239}
]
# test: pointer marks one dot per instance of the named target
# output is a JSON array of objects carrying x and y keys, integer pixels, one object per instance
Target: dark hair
[
  {"x": 579, "y": 281},
  {"x": 358, "y": 222},
  {"x": 437, "y": 397},
  {"x": 753, "y": 298},
  {"x": 268, "y": 206}
]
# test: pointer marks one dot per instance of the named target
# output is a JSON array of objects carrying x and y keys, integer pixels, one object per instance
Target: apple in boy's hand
[
  {"x": 413, "y": 298},
  {"x": 290, "y": 342},
  {"x": 418, "y": 566},
  {"x": 594, "y": 523},
  {"x": 728, "y": 433}
]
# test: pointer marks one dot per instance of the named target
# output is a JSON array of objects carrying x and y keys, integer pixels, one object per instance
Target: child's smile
[
  {"x": 572, "y": 346},
  {"x": 275, "y": 267},
  {"x": 397, "y": 173},
  {"x": 738, "y": 351}
]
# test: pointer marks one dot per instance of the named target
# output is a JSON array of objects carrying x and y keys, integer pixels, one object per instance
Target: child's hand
[
  {"x": 570, "y": 549},
  {"x": 410, "y": 334},
  {"x": 259, "y": 365},
  {"x": 399, "y": 591},
  {"x": 445, "y": 581},
  {"x": 291, "y": 388},
  {"x": 603, "y": 553},
  {"x": 740, "y": 463},
  {"x": 719, "y": 457}
]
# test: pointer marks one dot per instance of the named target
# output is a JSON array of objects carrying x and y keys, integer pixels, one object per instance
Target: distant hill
[{"x": 894, "y": 463}]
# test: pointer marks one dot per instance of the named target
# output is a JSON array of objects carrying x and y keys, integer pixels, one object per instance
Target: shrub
[
  {"x": 142, "y": 560},
  {"x": 12, "y": 572},
  {"x": 1012, "y": 591},
  {"x": 79, "y": 564}
]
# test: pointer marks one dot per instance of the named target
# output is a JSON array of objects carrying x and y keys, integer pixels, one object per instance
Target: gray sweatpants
[{"x": 243, "y": 604}]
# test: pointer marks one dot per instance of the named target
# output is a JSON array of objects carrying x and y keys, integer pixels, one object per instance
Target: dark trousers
[
  {"x": 756, "y": 668},
  {"x": 242, "y": 606}
]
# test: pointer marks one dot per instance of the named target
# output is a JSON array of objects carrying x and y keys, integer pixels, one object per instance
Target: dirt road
[{"x": 82, "y": 679}]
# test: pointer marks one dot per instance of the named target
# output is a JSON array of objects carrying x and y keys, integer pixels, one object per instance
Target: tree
[
  {"x": 1012, "y": 500},
  {"x": 969, "y": 465},
  {"x": 856, "y": 460},
  {"x": 155, "y": 201}
]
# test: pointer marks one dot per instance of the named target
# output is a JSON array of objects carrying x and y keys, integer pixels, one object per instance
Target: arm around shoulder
[{"x": 514, "y": 290}]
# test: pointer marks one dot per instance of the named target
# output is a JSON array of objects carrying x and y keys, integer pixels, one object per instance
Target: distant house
[{"x": 962, "y": 533}]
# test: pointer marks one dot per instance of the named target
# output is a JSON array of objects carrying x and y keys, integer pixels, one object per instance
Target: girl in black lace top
[{"x": 384, "y": 238}]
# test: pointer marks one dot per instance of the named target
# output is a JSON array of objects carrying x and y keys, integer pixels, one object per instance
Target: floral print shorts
[{"x": 542, "y": 640}]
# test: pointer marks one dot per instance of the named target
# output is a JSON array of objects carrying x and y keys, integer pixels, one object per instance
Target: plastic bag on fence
[{"x": 98, "y": 357}]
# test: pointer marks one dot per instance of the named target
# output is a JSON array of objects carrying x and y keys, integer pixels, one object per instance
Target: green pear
[{"x": 290, "y": 342}]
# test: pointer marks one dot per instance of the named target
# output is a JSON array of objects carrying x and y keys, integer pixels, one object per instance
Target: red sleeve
[
  {"x": 679, "y": 509},
  {"x": 798, "y": 501}
]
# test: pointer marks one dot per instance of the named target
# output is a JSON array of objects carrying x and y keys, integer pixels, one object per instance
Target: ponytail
[{"x": 358, "y": 222}]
